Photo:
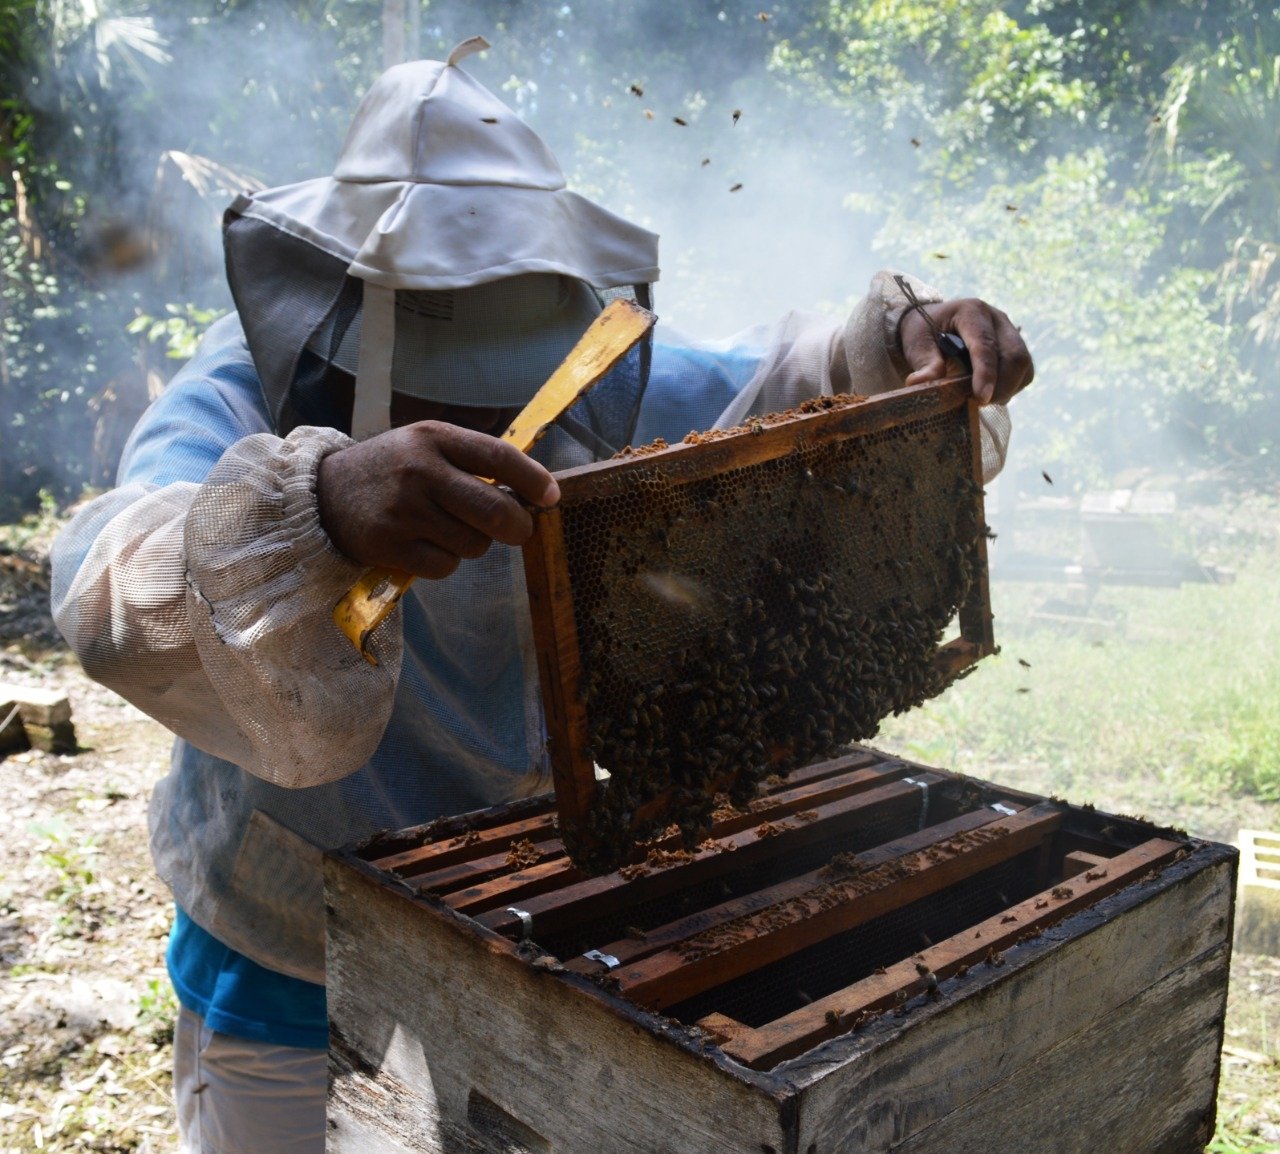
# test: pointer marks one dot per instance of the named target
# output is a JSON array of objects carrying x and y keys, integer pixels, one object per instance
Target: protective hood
[{"x": 439, "y": 187}]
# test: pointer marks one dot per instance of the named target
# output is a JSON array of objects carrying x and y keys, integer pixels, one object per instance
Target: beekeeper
[{"x": 389, "y": 321}]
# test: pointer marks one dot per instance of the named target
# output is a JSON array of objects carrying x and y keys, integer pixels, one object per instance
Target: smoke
[
  {"x": 763, "y": 192},
  {"x": 727, "y": 166},
  {"x": 750, "y": 208}
]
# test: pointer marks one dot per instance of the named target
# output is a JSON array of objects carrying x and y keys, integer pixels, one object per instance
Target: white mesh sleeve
[
  {"x": 209, "y": 607},
  {"x": 809, "y": 355}
]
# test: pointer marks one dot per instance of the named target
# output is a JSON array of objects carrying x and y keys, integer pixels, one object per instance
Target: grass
[{"x": 1172, "y": 707}]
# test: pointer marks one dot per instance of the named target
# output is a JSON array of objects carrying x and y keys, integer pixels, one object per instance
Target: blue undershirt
[{"x": 237, "y": 996}]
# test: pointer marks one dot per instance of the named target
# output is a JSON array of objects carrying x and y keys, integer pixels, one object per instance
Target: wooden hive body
[{"x": 1055, "y": 981}]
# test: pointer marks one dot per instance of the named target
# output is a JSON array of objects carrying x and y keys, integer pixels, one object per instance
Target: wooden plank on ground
[{"x": 36, "y": 706}]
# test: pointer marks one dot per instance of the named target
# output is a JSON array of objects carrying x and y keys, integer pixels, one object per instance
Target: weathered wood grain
[
  {"x": 1139, "y": 1079},
  {"x": 438, "y": 1010}
]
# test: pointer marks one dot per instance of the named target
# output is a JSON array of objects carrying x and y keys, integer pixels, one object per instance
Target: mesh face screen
[{"x": 761, "y": 616}]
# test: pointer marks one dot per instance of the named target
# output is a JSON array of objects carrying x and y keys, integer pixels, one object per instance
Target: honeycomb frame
[{"x": 714, "y": 612}]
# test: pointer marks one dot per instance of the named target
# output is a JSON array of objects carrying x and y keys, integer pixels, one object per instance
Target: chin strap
[{"x": 371, "y": 411}]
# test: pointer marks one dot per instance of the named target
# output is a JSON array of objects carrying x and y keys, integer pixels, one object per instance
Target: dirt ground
[{"x": 85, "y": 1006}]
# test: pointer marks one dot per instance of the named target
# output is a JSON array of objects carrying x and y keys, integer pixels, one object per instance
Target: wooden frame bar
[
  {"x": 775, "y": 924},
  {"x": 461, "y": 847},
  {"x": 977, "y": 631},
  {"x": 630, "y": 950},
  {"x": 554, "y": 911},
  {"x": 555, "y": 637},
  {"x": 846, "y": 1009},
  {"x": 466, "y": 844},
  {"x": 557, "y": 870},
  {"x": 693, "y": 462}
]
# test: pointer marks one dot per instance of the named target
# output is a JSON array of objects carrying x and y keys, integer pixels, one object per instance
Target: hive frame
[{"x": 551, "y": 595}]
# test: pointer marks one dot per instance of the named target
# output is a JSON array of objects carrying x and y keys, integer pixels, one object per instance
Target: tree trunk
[{"x": 393, "y": 32}]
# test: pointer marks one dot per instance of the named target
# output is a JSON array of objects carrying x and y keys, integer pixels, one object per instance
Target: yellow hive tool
[{"x": 368, "y": 602}]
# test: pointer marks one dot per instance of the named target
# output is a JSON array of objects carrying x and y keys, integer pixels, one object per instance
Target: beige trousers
[{"x": 235, "y": 1096}]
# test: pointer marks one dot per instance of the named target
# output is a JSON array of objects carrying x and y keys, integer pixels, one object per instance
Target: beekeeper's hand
[
  {"x": 1001, "y": 362},
  {"x": 412, "y": 498}
]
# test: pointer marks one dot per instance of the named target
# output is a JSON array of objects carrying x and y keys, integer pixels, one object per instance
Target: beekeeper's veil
[{"x": 444, "y": 259}]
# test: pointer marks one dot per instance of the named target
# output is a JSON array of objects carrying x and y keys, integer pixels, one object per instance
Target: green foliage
[
  {"x": 1129, "y": 355},
  {"x": 53, "y": 360},
  {"x": 71, "y": 859},
  {"x": 109, "y": 115},
  {"x": 37, "y": 527},
  {"x": 1149, "y": 290},
  {"x": 974, "y": 89},
  {"x": 1219, "y": 136},
  {"x": 157, "y": 1010},
  {"x": 179, "y": 332}
]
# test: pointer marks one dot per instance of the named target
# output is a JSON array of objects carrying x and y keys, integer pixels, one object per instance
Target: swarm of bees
[{"x": 734, "y": 669}]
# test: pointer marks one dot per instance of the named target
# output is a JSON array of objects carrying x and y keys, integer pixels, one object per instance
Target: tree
[{"x": 1133, "y": 368}]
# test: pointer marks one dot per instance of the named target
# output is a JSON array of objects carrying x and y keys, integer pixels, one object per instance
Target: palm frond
[
  {"x": 205, "y": 175},
  {"x": 132, "y": 39}
]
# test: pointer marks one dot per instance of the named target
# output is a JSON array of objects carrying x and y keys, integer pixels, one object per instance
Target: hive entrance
[{"x": 734, "y": 607}]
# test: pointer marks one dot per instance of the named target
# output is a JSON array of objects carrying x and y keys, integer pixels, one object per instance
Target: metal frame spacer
[
  {"x": 526, "y": 922},
  {"x": 1007, "y": 810},
  {"x": 924, "y": 800},
  {"x": 606, "y": 960}
]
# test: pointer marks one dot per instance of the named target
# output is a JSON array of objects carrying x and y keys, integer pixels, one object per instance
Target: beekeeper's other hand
[
  {"x": 1002, "y": 365},
  {"x": 413, "y": 499}
]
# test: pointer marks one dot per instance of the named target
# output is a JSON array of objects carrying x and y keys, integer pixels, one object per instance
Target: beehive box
[{"x": 871, "y": 956}]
